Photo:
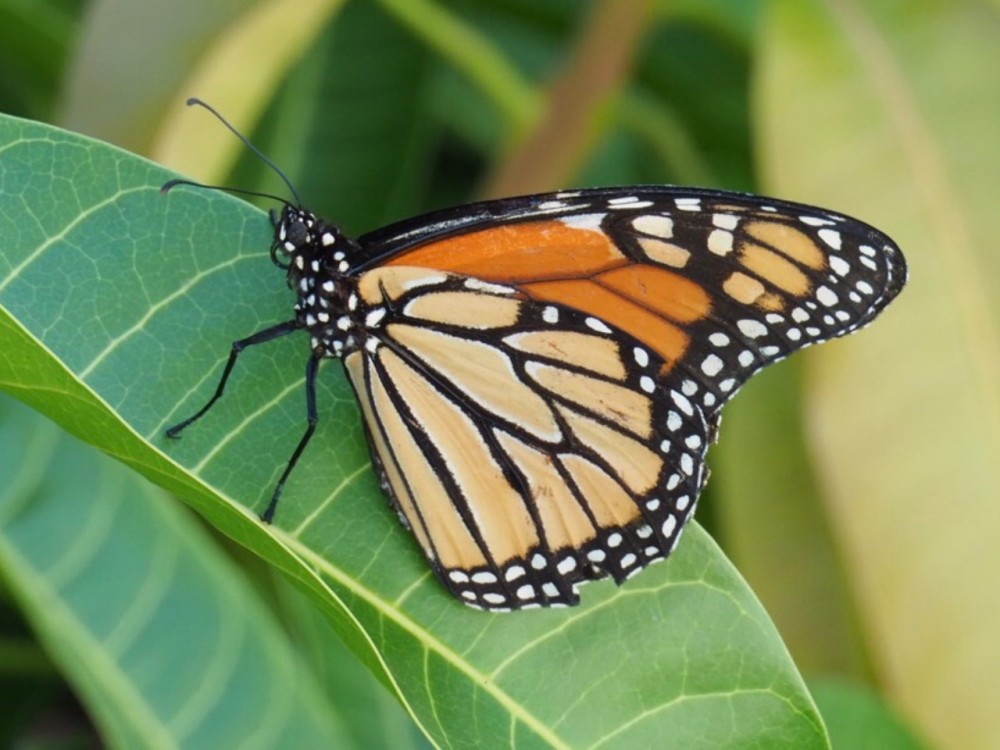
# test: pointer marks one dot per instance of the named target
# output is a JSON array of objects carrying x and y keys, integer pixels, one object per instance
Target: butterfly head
[
  {"x": 305, "y": 245},
  {"x": 294, "y": 236}
]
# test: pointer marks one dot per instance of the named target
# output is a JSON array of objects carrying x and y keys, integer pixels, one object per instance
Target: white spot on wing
[
  {"x": 753, "y": 329},
  {"x": 583, "y": 221},
  {"x": 720, "y": 242},
  {"x": 374, "y": 317},
  {"x": 655, "y": 225},
  {"x": 831, "y": 237},
  {"x": 514, "y": 572},
  {"x": 682, "y": 402},
  {"x": 687, "y": 464},
  {"x": 840, "y": 266},
  {"x": 827, "y": 296},
  {"x": 485, "y": 286},
  {"x": 711, "y": 365},
  {"x": 597, "y": 324},
  {"x": 815, "y": 221},
  {"x": 725, "y": 221}
]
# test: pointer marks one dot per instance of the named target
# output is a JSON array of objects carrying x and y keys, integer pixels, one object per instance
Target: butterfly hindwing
[{"x": 528, "y": 445}]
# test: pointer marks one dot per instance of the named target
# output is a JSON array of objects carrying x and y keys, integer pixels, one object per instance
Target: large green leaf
[
  {"x": 164, "y": 641},
  {"x": 119, "y": 303}
]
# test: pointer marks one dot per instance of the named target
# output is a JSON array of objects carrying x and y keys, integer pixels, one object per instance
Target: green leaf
[
  {"x": 372, "y": 716},
  {"x": 119, "y": 304},
  {"x": 165, "y": 643},
  {"x": 889, "y": 111},
  {"x": 859, "y": 720}
]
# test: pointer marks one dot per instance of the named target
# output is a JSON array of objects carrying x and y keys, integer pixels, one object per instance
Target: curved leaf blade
[
  {"x": 166, "y": 644},
  {"x": 126, "y": 299}
]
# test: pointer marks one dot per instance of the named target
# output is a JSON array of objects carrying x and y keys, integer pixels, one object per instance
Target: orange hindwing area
[{"x": 578, "y": 267}]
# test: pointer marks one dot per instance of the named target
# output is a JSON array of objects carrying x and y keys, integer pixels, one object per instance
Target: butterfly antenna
[
  {"x": 246, "y": 142},
  {"x": 171, "y": 184}
]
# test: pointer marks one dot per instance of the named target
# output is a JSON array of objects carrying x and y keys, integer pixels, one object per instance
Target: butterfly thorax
[{"x": 315, "y": 256}]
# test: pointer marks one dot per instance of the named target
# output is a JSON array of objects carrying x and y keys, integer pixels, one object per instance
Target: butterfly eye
[{"x": 297, "y": 234}]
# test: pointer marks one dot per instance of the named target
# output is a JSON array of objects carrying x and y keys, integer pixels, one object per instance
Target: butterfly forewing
[{"x": 718, "y": 284}]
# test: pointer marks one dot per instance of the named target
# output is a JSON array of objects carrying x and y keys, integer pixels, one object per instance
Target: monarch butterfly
[{"x": 540, "y": 377}]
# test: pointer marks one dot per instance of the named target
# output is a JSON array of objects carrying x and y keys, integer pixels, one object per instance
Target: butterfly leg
[
  {"x": 268, "y": 334},
  {"x": 312, "y": 366}
]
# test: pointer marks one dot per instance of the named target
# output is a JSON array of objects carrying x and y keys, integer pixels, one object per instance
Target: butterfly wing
[
  {"x": 542, "y": 375},
  {"x": 524, "y": 443},
  {"x": 721, "y": 282}
]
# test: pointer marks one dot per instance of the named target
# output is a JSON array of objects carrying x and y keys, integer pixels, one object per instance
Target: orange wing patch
[
  {"x": 515, "y": 253},
  {"x": 580, "y": 268},
  {"x": 790, "y": 241},
  {"x": 664, "y": 337},
  {"x": 664, "y": 292}
]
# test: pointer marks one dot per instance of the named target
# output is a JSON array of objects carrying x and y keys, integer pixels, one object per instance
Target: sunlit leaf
[
  {"x": 164, "y": 642},
  {"x": 119, "y": 306}
]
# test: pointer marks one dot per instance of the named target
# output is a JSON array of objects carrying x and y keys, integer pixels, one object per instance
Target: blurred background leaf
[
  {"x": 854, "y": 486},
  {"x": 135, "y": 604}
]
